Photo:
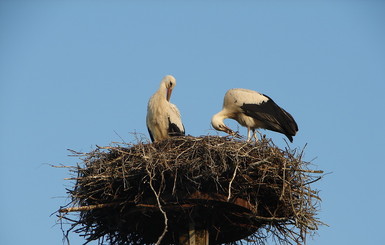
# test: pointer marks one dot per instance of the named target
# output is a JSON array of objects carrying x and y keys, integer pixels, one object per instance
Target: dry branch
[{"x": 87, "y": 208}]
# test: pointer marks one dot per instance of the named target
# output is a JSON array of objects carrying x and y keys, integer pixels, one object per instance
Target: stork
[
  {"x": 254, "y": 110},
  {"x": 163, "y": 118}
]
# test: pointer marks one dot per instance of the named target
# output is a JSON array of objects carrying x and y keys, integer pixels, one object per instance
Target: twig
[
  {"x": 283, "y": 181},
  {"x": 305, "y": 171},
  {"x": 271, "y": 218},
  {"x": 231, "y": 182},
  {"x": 87, "y": 208},
  {"x": 315, "y": 180},
  {"x": 160, "y": 208}
]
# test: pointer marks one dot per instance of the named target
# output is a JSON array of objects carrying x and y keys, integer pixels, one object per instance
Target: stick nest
[{"x": 148, "y": 193}]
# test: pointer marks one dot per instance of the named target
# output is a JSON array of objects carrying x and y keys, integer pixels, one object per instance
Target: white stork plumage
[
  {"x": 254, "y": 110},
  {"x": 163, "y": 118}
]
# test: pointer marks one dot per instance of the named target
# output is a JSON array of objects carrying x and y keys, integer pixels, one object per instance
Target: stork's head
[
  {"x": 218, "y": 124},
  {"x": 169, "y": 83}
]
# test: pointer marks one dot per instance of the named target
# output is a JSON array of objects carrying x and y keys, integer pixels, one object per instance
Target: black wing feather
[
  {"x": 149, "y": 132},
  {"x": 274, "y": 117},
  {"x": 174, "y": 130}
]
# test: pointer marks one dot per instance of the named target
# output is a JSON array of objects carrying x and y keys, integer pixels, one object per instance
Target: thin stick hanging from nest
[{"x": 157, "y": 194}]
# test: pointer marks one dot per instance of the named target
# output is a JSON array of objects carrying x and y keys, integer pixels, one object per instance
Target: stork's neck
[
  {"x": 162, "y": 85},
  {"x": 162, "y": 89},
  {"x": 224, "y": 113},
  {"x": 161, "y": 93},
  {"x": 219, "y": 117}
]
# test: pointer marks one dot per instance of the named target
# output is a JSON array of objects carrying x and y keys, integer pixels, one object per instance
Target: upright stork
[
  {"x": 254, "y": 110},
  {"x": 163, "y": 118}
]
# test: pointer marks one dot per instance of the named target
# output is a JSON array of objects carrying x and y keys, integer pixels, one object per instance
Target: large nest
[{"x": 146, "y": 193}]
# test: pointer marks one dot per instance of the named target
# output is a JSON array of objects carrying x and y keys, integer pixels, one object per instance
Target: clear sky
[{"x": 75, "y": 74}]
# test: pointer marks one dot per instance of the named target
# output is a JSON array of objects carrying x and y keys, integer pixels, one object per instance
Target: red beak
[
  {"x": 229, "y": 131},
  {"x": 168, "y": 96},
  {"x": 232, "y": 133}
]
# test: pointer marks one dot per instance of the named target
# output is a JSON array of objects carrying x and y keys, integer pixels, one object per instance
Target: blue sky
[{"x": 75, "y": 74}]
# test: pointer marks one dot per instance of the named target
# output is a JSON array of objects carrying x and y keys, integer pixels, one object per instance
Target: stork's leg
[
  {"x": 248, "y": 134},
  {"x": 255, "y": 135}
]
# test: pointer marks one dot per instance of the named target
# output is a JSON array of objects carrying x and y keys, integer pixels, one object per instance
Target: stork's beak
[
  {"x": 228, "y": 130},
  {"x": 168, "y": 96},
  {"x": 232, "y": 133}
]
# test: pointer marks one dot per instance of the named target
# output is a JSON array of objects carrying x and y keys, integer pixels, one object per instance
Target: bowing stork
[
  {"x": 163, "y": 118},
  {"x": 254, "y": 110}
]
